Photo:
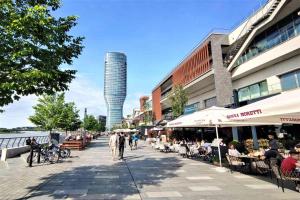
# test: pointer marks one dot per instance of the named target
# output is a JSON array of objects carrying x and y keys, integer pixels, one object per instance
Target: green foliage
[
  {"x": 148, "y": 117},
  {"x": 33, "y": 46},
  {"x": 70, "y": 116},
  {"x": 178, "y": 100},
  {"x": 117, "y": 126},
  {"x": 52, "y": 112},
  {"x": 90, "y": 123}
]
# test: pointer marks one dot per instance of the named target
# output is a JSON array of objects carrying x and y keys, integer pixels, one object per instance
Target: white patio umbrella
[
  {"x": 211, "y": 117},
  {"x": 282, "y": 108}
]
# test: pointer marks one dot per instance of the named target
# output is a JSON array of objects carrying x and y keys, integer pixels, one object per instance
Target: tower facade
[{"x": 115, "y": 84}]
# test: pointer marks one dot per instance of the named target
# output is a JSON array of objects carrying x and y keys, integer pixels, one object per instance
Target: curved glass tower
[{"x": 115, "y": 73}]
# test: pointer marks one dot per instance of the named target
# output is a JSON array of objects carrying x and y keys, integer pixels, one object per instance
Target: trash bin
[{"x": 54, "y": 138}]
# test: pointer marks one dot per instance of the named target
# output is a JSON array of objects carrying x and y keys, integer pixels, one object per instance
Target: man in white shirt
[{"x": 113, "y": 145}]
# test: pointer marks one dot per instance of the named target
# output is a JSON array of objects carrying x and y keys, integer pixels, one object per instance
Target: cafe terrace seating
[
  {"x": 235, "y": 163},
  {"x": 292, "y": 176}
]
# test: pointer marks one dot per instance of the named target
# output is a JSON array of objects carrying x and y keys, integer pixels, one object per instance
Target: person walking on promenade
[
  {"x": 121, "y": 145},
  {"x": 113, "y": 144},
  {"x": 135, "y": 139},
  {"x": 130, "y": 141}
]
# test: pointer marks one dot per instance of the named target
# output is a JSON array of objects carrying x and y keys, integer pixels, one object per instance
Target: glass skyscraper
[{"x": 115, "y": 76}]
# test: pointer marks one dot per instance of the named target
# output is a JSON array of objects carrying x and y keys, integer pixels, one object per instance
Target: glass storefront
[
  {"x": 282, "y": 31},
  {"x": 253, "y": 91}
]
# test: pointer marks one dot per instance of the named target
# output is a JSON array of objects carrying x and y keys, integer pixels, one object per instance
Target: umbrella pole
[{"x": 220, "y": 159}]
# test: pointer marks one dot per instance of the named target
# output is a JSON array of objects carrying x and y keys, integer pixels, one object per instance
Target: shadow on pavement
[{"x": 116, "y": 181}]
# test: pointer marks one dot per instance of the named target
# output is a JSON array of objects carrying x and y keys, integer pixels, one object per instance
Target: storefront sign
[{"x": 245, "y": 114}]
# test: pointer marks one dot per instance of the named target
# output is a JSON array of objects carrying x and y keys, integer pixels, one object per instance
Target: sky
[{"x": 154, "y": 34}]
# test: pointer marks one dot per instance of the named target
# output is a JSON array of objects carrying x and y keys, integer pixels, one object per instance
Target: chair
[
  {"x": 162, "y": 148},
  {"x": 235, "y": 162},
  {"x": 171, "y": 148},
  {"x": 277, "y": 172},
  {"x": 195, "y": 152},
  {"x": 152, "y": 145},
  {"x": 291, "y": 176},
  {"x": 176, "y": 147},
  {"x": 263, "y": 167},
  {"x": 183, "y": 151}
]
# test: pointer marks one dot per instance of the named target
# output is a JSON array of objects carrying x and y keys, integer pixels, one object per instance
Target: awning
[
  {"x": 282, "y": 108},
  {"x": 211, "y": 117}
]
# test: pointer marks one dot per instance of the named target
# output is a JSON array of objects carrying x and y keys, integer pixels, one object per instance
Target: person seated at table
[
  {"x": 78, "y": 137},
  {"x": 273, "y": 147},
  {"x": 289, "y": 164},
  {"x": 198, "y": 144},
  {"x": 232, "y": 151}
]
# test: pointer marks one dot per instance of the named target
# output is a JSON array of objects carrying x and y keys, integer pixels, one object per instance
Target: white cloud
[
  {"x": 17, "y": 114},
  {"x": 85, "y": 94},
  {"x": 132, "y": 101}
]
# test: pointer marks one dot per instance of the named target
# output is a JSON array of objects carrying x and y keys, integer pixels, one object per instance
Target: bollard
[
  {"x": 30, "y": 156},
  {"x": 4, "y": 154}
]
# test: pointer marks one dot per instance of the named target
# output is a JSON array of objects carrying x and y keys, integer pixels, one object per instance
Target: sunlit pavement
[{"x": 145, "y": 174}]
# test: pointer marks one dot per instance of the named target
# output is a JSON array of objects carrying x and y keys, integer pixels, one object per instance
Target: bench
[{"x": 73, "y": 144}]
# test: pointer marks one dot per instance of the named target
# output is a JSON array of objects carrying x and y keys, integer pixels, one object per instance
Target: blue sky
[{"x": 154, "y": 34}]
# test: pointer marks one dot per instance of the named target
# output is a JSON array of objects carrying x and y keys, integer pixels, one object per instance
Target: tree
[
  {"x": 48, "y": 112},
  {"x": 52, "y": 112},
  {"x": 90, "y": 123},
  {"x": 148, "y": 117},
  {"x": 33, "y": 46},
  {"x": 178, "y": 100},
  {"x": 70, "y": 118}
]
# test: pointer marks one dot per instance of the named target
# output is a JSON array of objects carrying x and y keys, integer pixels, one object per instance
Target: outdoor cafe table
[{"x": 249, "y": 160}]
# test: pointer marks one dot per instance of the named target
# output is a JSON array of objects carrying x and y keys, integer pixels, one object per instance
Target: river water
[{"x": 18, "y": 139}]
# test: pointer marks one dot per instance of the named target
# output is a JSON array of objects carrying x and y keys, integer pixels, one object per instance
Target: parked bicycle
[
  {"x": 63, "y": 151},
  {"x": 47, "y": 154}
]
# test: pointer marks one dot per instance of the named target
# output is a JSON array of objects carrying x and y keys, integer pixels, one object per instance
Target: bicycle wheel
[
  {"x": 68, "y": 153},
  {"x": 53, "y": 157}
]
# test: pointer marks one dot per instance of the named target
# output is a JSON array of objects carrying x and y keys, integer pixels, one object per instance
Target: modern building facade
[
  {"x": 264, "y": 55},
  {"x": 258, "y": 59},
  {"x": 268, "y": 60},
  {"x": 115, "y": 84},
  {"x": 202, "y": 76}
]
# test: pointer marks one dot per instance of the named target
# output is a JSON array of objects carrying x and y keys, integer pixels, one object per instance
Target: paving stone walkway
[{"x": 145, "y": 174}]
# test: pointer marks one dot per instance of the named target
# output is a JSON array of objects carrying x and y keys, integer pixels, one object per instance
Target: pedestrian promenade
[{"x": 145, "y": 174}]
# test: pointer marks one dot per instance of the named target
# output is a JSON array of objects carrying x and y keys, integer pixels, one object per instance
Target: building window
[
  {"x": 244, "y": 94},
  {"x": 282, "y": 31},
  {"x": 290, "y": 80},
  {"x": 263, "y": 88},
  {"x": 253, "y": 91},
  {"x": 191, "y": 108},
  {"x": 210, "y": 102}
]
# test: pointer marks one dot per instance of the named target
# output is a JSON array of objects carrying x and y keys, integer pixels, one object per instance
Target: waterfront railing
[{"x": 20, "y": 141}]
